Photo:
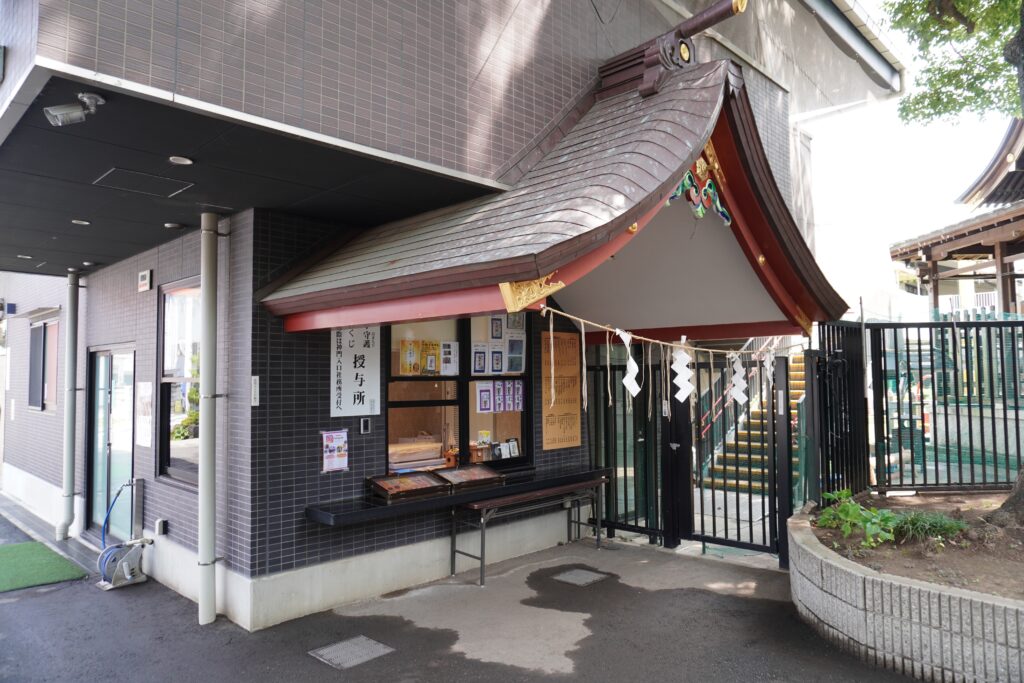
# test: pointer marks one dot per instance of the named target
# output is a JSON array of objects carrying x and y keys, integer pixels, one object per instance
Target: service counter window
[{"x": 458, "y": 393}]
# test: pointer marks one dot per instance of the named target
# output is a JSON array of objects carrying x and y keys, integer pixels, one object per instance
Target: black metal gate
[{"x": 712, "y": 469}]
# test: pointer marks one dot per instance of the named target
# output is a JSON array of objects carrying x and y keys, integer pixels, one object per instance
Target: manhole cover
[
  {"x": 352, "y": 652},
  {"x": 580, "y": 577}
]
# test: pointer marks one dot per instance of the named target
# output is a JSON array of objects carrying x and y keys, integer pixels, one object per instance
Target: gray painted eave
[{"x": 852, "y": 40}]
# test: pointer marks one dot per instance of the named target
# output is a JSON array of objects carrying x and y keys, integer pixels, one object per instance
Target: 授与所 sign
[{"x": 355, "y": 371}]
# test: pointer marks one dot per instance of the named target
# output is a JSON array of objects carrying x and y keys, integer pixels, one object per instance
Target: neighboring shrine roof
[
  {"x": 1002, "y": 181},
  {"x": 973, "y": 230}
]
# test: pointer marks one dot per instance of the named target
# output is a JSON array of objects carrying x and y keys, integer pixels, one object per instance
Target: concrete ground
[{"x": 655, "y": 615}]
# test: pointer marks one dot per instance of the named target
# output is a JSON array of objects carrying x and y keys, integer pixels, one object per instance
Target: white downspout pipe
[
  {"x": 208, "y": 420},
  {"x": 70, "y": 405}
]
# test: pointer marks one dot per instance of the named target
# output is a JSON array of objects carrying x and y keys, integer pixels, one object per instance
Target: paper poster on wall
[
  {"x": 560, "y": 423},
  {"x": 430, "y": 357},
  {"x": 518, "y": 390},
  {"x": 497, "y": 327},
  {"x": 355, "y": 371},
  {"x": 485, "y": 397},
  {"x": 499, "y": 397},
  {"x": 144, "y": 414},
  {"x": 449, "y": 358},
  {"x": 335, "y": 450},
  {"x": 480, "y": 359}
]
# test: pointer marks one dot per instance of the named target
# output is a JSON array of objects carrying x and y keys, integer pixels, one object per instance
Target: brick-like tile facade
[
  {"x": 294, "y": 370},
  {"x": 470, "y": 85},
  {"x": 122, "y": 317}
]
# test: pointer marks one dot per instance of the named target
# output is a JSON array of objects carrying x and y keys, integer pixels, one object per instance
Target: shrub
[
  {"x": 848, "y": 515},
  {"x": 920, "y": 526}
]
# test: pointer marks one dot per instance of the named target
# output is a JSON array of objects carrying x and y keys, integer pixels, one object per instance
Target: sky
[{"x": 876, "y": 180}]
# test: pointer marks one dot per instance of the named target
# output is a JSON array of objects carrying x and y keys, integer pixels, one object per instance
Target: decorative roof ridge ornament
[
  {"x": 651, "y": 62},
  {"x": 517, "y": 295}
]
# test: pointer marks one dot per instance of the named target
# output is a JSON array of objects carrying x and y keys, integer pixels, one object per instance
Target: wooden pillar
[
  {"x": 933, "y": 283},
  {"x": 1006, "y": 289}
]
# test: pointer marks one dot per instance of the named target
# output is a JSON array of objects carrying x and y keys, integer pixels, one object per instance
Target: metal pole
[
  {"x": 208, "y": 420},
  {"x": 783, "y": 457},
  {"x": 70, "y": 404}
]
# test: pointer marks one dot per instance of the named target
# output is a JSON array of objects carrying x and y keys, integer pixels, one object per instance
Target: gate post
[
  {"x": 783, "y": 457},
  {"x": 811, "y": 451},
  {"x": 676, "y": 477},
  {"x": 876, "y": 413}
]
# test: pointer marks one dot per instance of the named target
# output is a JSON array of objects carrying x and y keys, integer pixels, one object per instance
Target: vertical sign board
[
  {"x": 561, "y": 422},
  {"x": 355, "y": 371}
]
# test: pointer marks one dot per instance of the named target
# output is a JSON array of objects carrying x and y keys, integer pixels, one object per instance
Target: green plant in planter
[
  {"x": 847, "y": 515},
  {"x": 921, "y": 526}
]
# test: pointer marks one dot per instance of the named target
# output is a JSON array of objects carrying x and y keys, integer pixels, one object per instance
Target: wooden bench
[{"x": 566, "y": 495}]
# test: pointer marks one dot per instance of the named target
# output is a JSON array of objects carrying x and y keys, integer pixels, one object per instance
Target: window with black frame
[
  {"x": 179, "y": 380},
  {"x": 457, "y": 393},
  {"x": 42, "y": 363}
]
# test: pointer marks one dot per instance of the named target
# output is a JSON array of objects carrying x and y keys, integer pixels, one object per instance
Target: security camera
[{"x": 66, "y": 114}]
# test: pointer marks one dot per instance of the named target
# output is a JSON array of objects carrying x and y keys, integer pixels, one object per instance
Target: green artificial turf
[{"x": 23, "y": 565}]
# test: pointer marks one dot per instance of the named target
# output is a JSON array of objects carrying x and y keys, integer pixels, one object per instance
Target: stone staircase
[{"x": 742, "y": 462}]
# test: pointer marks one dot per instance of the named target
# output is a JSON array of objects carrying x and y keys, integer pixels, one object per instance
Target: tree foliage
[{"x": 972, "y": 56}]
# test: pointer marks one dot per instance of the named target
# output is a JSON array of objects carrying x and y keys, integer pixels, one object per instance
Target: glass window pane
[
  {"x": 427, "y": 348},
  {"x": 50, "y": 373},
  {"x": 498, "y": 344},
  {"x": 183, "y": 430},
  {"x": 181, "y": 332},
  {"x": 423, "y": 438},
  {"x": 422, "y": 391},
  {"x": 496, "y": 420}
]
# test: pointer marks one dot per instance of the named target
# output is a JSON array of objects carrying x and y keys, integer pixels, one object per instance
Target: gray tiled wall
[
  {"x": 33, "y": 439},
  {"x": 471, "y": 85},
  {"x": 294, "y": 377},
  {"x": 121, "y": 317}
]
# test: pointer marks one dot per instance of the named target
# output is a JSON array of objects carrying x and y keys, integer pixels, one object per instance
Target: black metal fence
[{"x": 947, "y": 404}]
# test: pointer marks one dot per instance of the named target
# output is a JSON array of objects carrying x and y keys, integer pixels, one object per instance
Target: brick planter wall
[{"x": 931, "y": 632}]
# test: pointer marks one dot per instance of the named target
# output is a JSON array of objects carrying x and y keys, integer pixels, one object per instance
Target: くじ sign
[{"x": 355, "y": 371}]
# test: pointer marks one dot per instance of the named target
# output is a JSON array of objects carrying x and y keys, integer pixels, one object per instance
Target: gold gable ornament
[{"x": 519, "y": 294}]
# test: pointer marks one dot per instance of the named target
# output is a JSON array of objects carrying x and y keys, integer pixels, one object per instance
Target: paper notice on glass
[
  {"x": 355, "y": 371},
  {"x": 497, "y": 358},
  {"x": 430, "y": 357},
  {"x": 485, "y": 397},
  {"x": 144, "y": 414},
  {"x": 515, "y": 351},
  {"x": 519, "y": 395},
  {"x": 449, "y": 358},
  {"x": 499, "y": 397},
  {"x": 335, "y": 450},
  {"x": 480, "y": 359}
]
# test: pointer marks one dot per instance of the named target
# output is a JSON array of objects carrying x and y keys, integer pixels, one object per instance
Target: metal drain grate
[
  {"x": 346, "y": 654},
  {"x": 580, "y": 577}
]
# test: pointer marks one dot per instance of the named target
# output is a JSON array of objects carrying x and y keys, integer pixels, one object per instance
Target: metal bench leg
[
  {"x": 483, "y": 538},
  {"x": 453, "y": 541},
  {"x": 598, "y": 515}
]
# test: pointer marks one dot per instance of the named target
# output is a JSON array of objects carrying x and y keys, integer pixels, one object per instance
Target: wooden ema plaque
[
  {"x": 470, "y": 476},
  {"x": 561, "y": 422},
  {"x": 393, "y": 487}
]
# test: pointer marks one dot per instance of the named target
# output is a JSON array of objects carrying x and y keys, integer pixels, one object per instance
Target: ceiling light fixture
[
  {"x": 180, "y": 161},
  {"x": 23, "y": 256},
  {"x": 72, "y": 270},
  {"x": 88, "y": 263},
  {"x": 172, "y": 226},
  {"x": 66, "y": 114},
  {"x": 79, "y": 221}
]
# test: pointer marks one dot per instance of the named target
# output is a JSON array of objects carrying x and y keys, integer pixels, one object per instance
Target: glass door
[{"x": 111, "y": 447}]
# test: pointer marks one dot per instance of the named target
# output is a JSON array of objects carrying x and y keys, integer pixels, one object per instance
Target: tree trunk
[
  {"x": 1014, "y": 504},
  {"x": 1013, "y": 52}
]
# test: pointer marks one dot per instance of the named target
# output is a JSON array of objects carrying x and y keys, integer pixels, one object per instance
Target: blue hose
[{"x": 106, "y": 519}]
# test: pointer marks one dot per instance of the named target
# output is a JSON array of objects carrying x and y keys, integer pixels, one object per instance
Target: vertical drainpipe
[
  {"x": 208, "y": 420},
  {"x": 70, "y": 404}
]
